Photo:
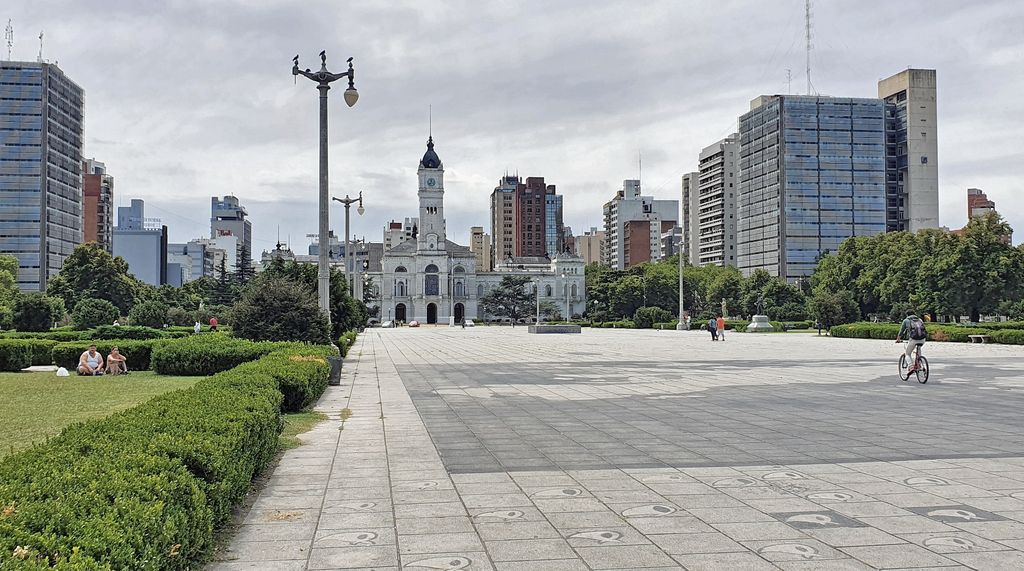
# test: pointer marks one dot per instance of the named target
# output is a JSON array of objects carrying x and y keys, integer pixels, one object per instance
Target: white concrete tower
[{"x": 432, "y": 235}]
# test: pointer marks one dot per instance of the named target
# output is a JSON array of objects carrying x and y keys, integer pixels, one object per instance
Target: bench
[{"x": 979, "y": 338}]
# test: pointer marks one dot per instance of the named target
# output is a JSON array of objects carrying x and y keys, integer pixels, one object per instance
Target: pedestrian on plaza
[
  {"x": 720, "y": 323},
  {"x": 713, "y": 328},
  {"x": 213, "y": 324}
]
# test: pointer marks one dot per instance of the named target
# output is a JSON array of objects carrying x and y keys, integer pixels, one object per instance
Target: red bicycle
[{"x": 919, "y": 368}]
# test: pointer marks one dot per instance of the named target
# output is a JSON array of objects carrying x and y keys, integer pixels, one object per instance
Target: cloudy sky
[{"x": 190, "y": 99}]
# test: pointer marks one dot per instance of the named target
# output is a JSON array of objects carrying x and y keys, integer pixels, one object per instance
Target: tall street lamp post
[
  {"x": 682, "y": 311},
  {"x": 348, "y": 202},
  {"x": 323, "y": 79},
  {"x": 568, "y": 316}
]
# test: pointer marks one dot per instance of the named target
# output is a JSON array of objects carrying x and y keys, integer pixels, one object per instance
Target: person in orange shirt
[{"x": 721, "y": 328}]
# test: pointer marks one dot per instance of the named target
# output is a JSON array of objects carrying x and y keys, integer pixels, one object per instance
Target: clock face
[{"x": 431, "y": 181}]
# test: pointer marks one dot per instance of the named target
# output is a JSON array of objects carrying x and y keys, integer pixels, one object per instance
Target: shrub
[
  {"x": 180, "y": 316},
  {"x": 149, "y": 314},
  {"x": 92, "y": 312},
  {"x": 833, "y": 307},
  {"x": 1008, "y": 336},
  {"x": 60, "y": 336},
  {"x": 34, "y": 312},
  {"x": 301, "y": 376},
  {"x": 346, "y": 341},
  {"x": 646, "y": 317},
  {"x": 145, "y": 488},
  {"x": 126, "y": 332},
  {"x": 137, "y": 352},
  {"x": 279, "y": 309},
  {"x": 207, "y": 354},
  {"x": 15, "y": 354}
]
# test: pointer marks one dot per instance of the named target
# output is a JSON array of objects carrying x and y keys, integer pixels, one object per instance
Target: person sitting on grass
[
  {"x": 91, "y": 362},
  {"x": 116, "y": 362}
]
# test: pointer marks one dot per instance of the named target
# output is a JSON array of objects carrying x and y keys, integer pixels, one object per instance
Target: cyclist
[{"x": 912, "y": 330}]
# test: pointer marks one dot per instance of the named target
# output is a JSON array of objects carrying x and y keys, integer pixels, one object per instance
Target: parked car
[
  {"x": 388, "y": 324},
  {"x": 414, "y": 323}
]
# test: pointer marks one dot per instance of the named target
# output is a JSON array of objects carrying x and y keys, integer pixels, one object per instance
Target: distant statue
[{"x": 760, "y": 304}]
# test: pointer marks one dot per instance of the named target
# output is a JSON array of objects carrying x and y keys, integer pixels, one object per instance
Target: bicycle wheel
[
  {"x": 904, "y": 368},
  {"x": 922, "y": 370}
]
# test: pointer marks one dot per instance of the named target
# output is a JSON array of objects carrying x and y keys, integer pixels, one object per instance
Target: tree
[
  {"x": 92, "y": 312},
  {"x": 279, "y": 309},
  {"x": 8, "y": 280},
  {"x": 988, "y": 267},
  {"x": 833, "y": 307},
  {"x": 34, "y": 312},
  {"x": 347, "y": 313},
  {"x": 91, "y": 272},
  {"x": 510, "y": 299},
  {"x": 646, "y": 317},
  {"x": 149, "y": 314}
]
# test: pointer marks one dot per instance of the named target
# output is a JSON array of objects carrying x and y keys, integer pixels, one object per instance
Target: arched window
[
  {"x": 547, "y": 290},
  {"x": 400, "y": 269},
  {"x": 479, "y": 290},
  {"x": 430, "y": 269},
  {"x": 400, "y": 288},
  {"x": 460, "y": 289},
  {"x": 575, "y": 291},
  {"x": 459, "y": 270}
]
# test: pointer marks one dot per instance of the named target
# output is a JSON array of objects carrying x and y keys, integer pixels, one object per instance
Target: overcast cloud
[{"x": 190, "y": 99}]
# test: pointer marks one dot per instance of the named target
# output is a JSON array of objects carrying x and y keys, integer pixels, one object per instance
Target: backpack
[{"x": 917, "y": 331}]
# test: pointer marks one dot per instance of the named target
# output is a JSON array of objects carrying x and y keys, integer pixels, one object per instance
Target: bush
[
  {"x": 15, "y": 354},
  {"x": 1008, "y": 336},
  {"x": 148, "y": 314},
  {"x": 180, "y": 317},
  {"x": 833, "y": 307},
  {"x": 201, "y": 355},
  {"x": 279, "y": 309},
  {"x": 145, "y": 488},
  {"x": 301, "y": 378},
  {"x": 137, "y": 352},
  {"x": 936, "y": 331},
  {"x": 34, "y": 312},
  {"x": 92, "y": 312},
  {"x": 346, "y": 341},
  {"x": 126, "y": 332},
  {"x": 646, "y": 317}
]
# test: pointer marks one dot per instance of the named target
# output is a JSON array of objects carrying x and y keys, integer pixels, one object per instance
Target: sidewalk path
[{"x": 492, "y": 449}]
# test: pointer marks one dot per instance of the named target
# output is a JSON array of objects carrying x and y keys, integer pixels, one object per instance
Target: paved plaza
[{"x": 493, "y": 449}]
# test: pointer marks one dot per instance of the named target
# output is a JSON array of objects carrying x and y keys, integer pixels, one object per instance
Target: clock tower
[{"x": 432, "y": 235}]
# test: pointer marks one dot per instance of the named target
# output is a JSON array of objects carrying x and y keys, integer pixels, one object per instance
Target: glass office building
[
  {"x": 812, "y": 174},
  {"x": 553, "y": 222},
  {"x": 40, "y": 169}
]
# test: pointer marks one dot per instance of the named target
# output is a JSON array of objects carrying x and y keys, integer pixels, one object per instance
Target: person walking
[
  {"x": 197, "y": 328},
  {"x": 713, "y": 328},
  {"x": 720, "y": 323}
]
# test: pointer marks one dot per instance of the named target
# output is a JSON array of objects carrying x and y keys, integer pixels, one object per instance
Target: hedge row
[
  {"x": 137, "y": 353},
  {"x": 346, "y": 341},
  {"x": 208, "y": 354},
  {"x": 145, "y": 488},
  {"x": 936, "y": 332}
]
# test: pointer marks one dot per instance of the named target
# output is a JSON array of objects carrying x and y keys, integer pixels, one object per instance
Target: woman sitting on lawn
[{"x": 116, "y": 363}]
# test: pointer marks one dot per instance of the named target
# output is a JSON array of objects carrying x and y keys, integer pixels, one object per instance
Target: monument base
[
  {"x": 760, "y": 324},
  {"x": 555, "y": 329}
]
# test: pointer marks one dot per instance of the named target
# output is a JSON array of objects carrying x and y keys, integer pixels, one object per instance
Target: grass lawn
[{"x": 36, "y": 406}]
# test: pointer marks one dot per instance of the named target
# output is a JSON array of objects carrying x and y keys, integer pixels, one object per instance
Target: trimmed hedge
[
  {"x": 15, "y": 354},
  {"x": 126, "y": 332},
  {"x": 137, "y": 352},
  {"x": 60, "y": 336},
  {"x": 145, "y": 488},
  {"x": 936, "y": 332},
  {"x": 346, "y": 341},
  {"x": 201, "y": 355},
  {"x": 301, "y": 375}
]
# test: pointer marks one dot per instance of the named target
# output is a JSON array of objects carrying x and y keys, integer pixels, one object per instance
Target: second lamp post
[{"x": 348, "y": 202}]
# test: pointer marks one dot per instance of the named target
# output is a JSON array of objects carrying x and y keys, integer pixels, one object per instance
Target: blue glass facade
[
  {"x": 812, "y": 174},
  {"x": 553, "y": 222},
  {"x": 40, "y": 169}
]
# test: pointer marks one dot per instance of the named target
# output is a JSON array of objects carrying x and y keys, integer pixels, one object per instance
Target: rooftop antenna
[
  {"x": 809, "y": 35},
  {"x": 430, "y": 121},
  {"x": 640, "y": 167},
  {"x": 40, "y": 59},
  {"x": 9, "y": 36},
  {"x": 789, "y": 81}
]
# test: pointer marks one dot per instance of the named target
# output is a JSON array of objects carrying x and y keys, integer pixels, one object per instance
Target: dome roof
[{"x": 430, "y": 159}]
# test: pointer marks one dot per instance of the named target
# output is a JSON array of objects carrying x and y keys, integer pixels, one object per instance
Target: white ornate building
[{"x": 431, "y": 279}]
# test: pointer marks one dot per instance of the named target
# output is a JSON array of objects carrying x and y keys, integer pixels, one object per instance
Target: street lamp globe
[
  {"x": 351, "y": 96},
  {"x": 360, "y": 210}
]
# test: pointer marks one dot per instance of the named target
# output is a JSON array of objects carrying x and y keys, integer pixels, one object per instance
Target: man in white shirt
[{"x": 91, "y": 362}]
